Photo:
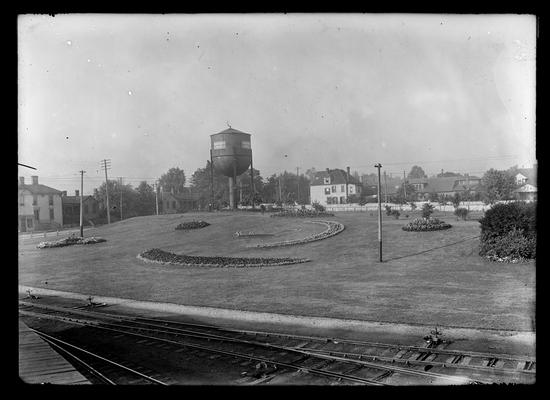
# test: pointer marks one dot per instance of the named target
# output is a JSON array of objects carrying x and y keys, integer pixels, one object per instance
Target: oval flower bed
[
  {"x": 165, "y": 257},
  {"x": 192, "y": 225},
  {"x": 302, "y": 214},
  {"x": 333, "y": 228},
  {"x": 426, "y": 224},
  {"x": 70, "y": 241}
]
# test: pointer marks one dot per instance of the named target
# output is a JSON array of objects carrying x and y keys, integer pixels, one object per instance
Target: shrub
[
  {"x": 318, "y": 207},
  {"x": 301, "y": 213},
  {"x": 461, "y": 213},
  {"x": 395, "y": 214},
  {"x": 509, "y": 230},
  {"x": 388, "y": 210},
  {"x": 426, "y": 224},
  {"x": 513, "y": 246},
  {"x": 427, "y": 210},
  {"x": 192, "y": 225},
  {"x": 413, "y": 205}
]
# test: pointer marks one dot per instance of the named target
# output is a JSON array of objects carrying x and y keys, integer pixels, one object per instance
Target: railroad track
[
  {"x": 384, "y": 362},
  {"x": 102, "y": 369}
]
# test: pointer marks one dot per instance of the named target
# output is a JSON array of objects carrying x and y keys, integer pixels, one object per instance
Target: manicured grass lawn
[{"x": 426, "y": 277}]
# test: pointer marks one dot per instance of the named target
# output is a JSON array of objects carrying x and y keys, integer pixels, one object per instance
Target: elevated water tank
[{"x": 231, "y": 154}]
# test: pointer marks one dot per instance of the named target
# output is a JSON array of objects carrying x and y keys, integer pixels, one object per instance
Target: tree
[
  {"x": 129, "y": 197},
  {"x": 173, "y": 180},
  {"x": 145, "y": 199},
  {"x": 416, "y": 173},
  {"x": 456, "y": 200},
  {"x": 400, "y": 198},
  {"x": 427, "y": 210},
  {"x": 498, "y": 185}
]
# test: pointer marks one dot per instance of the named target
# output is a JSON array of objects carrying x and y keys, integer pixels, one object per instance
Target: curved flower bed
[
  {"x": 302, "y": 214},
  {"x": 426, "y": 224},
  {"x": 70, "y": 241},
  {"x": 333, "y": 228},
  {"x": 192, "y": 225},
  {"x": 164, "y": 257}
]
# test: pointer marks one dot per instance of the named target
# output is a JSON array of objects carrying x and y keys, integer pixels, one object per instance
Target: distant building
[
  {"x": 526, "y": 175},
  {"x": 173, "y": 203},
  {"x": 333, "y": 186},
  {"x": 526, "y": 192},
  {"x": 71, "y": 209},
  {"x": 448, "y": 186},
  {"x": 40, "y": 206}
]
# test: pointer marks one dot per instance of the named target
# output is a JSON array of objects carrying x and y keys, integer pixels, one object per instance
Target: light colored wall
[
  {"x": 317, "y": 192},
  {"x": 44, "y": 206}
]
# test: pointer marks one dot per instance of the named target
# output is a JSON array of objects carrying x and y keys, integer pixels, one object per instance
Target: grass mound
[{"x": 165, "y": 257}]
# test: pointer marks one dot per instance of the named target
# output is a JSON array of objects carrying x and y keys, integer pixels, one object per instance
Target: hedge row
[
  {"x": 164, "y": 257},
  {"x": 333, "y": 228},
  {"x": 426, "y": 224},
  {"x": 302, "y": 214},
  {"x": 71, "y": 240},
  {"x": 509, "y": 232}
]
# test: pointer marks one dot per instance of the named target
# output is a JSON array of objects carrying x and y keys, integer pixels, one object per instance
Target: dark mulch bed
[{"x": 161, "y": 256}]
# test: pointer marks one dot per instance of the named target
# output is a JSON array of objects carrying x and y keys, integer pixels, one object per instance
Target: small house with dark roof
[
  {"x": 173, "y": 203},
  {"x": 446, "y": 186},
  {"x": 71, "y": 209},
  {"x": 333, "y": 186},
  {"x": 40, "y": 206}
]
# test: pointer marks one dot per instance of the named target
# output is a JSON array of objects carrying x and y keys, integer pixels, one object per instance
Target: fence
[{"x": 472, "y": 206}]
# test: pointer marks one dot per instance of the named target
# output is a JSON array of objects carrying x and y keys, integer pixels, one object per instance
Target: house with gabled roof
[
  {"x": 333, "y": 186},
  {"x": 173, "y": 203},
  {"x": 40, "y": 206},
  {"x": 71, "y": 209},
  {"x": 445, "y": 186}
]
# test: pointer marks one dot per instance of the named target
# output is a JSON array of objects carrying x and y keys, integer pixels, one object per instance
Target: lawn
[{"x": 426, "y": 277}]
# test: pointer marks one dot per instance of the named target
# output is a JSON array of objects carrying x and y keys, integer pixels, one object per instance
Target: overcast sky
[{"x": 452, "y": 92}]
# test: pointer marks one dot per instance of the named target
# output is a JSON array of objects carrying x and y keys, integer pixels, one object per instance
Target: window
[
  {"x": 37, "y": 214},
  {"x": 342, "y": 200},
  {"x": 34, "y": 199},
  {"x": 219, "y": 145},
  {"x": 245, "y": 145},
  {"x": 326, "y": 181},
  {"x": 351, "y": 188},
  {"x": 50, "y": 200},
  {"x": 327, "y": 190},
  {"x": 358, "y": 189},
  {"x": 29, "y": 223},
  {"x": 342, "y": 188},
  {"x": 334, "y": 189},
  {"x": 51, "y": 214}
]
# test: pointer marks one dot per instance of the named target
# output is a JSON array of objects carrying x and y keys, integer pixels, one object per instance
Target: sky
[{"x": 451, "y": 92}]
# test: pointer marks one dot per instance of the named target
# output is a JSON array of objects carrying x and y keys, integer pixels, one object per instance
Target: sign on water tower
[{"x": 231, "y": 154}]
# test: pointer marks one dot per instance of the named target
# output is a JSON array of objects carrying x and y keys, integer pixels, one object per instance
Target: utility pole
[
  {"x": 106, "y": 164},
  {"x": 81, "y": 201},
  {"x": 120, "y": 184},
  {"x": 379, "y": 215},
  {"x": 280, "y": 198},
  {"x": 385, "y": 188},
  {"x": 404, "y": 185},
  {"x": 252, "y": 188},
  {"x": 298, "y": 180},
  {"x": 211, "y": 183}
]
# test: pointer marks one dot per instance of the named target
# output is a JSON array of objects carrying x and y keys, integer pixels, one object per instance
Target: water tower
[{"x": 231, "y": 155}]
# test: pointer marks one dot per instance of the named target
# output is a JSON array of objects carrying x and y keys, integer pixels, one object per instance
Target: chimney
[
  {"x": 77, "y": 193},
  {"x": 22, "y": 180},
  {"x": 328, "y": 171},
  {"x": 34, "y": 180}
]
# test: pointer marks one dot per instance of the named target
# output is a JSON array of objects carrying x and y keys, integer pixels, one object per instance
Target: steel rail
[
  {"x": 133, "y": 371},
  {"x": 137, "y": 319},
  {"x": 316, "y": 351},
  {"x": 223, "y": 352}
]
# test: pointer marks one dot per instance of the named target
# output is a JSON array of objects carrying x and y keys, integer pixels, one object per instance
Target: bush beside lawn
[
  {"x": 509, "y": 232},
  {"x": 192, "y": 225},
  {"x": 426, "y": 224},
  {"x": 71, "y": 240}
]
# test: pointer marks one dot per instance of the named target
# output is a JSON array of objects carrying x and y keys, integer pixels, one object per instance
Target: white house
[
  {"x": 40, "y": 206},
  {"x": 333, "y": 186}
]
